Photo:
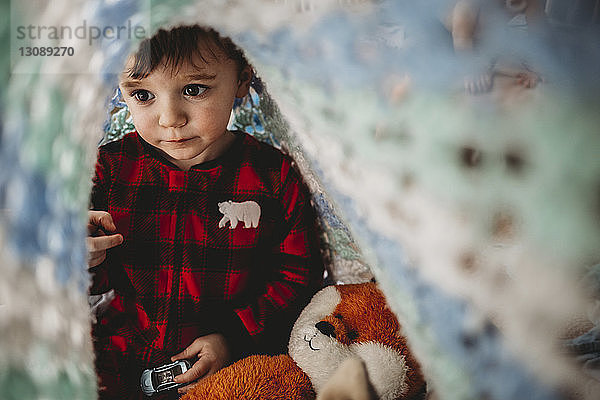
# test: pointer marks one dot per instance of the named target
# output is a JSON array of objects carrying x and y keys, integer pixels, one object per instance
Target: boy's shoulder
[
  {"x": 128, "y": 144},
  {"x": 260, "y": 153}
]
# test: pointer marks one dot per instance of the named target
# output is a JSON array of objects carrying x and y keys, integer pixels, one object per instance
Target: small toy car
[{"x": 160, "y": 379}]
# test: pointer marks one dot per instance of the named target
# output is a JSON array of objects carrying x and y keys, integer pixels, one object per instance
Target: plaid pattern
[{"x": 179, "y": 276}]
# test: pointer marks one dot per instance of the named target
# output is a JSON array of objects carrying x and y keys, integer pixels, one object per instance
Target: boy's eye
[
  {"x": 194, "y": 89},
  {"x": 142, "y": 95}
]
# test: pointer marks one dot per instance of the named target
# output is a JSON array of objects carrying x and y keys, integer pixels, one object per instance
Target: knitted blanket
[{"x": 461, "y": 172}]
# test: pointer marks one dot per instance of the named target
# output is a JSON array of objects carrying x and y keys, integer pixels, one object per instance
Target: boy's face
[{"x": 184, "y": 112}]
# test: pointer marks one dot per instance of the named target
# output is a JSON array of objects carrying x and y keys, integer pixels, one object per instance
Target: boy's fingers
[
  {"x": 187, "y": 388},
  {"x": 179, "y": 356},
  {"x": 190, "y": 352},
  {"x": 187, "y": 353},
  {"x": 101, "y": 219},
  {"x": 102, "y": 243},
  {"x": 198, "y": 370},
  {"x": 96, "y": 258}
]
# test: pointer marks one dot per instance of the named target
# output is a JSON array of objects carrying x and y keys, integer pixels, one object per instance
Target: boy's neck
[{"x": 212, "y": 152}]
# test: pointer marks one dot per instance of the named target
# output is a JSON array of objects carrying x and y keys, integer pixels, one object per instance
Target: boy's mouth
[{"x": 177, "y": 140}]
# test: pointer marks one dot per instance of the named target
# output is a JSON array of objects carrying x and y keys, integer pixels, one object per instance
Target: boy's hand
[
  {"x": 100, "y": 223},
  {"x": 212, "y": 353}
]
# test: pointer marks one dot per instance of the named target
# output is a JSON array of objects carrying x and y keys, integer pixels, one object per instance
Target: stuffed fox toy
[{"x": 344, "y": 325}]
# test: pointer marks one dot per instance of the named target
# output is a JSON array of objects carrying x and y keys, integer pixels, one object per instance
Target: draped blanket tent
[{"x": 478, "y": 214}]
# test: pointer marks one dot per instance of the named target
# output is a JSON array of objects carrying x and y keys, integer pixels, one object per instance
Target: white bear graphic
[{"x": 247, "y": 211}]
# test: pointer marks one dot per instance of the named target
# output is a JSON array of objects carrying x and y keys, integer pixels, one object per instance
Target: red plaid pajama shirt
[{"x": 178, "y": 276}]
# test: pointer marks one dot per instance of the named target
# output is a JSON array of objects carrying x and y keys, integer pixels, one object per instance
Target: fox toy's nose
[{"x": 325, "y": 328}]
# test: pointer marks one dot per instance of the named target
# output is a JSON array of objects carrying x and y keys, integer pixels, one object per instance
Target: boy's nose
[{"x": 172, "y": 116}]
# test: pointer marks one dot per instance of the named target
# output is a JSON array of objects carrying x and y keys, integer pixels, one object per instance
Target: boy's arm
[
  {"x": 99, "y": 225},
  {"x": 295, "y": 274},
  {"x": 100, "y": 236}
]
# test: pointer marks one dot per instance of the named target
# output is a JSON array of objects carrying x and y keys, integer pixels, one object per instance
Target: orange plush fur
[
  {"x": 256, "y": 377},
  {"x": 340, "y": 323},
  {"x": 364, "y": 310}
]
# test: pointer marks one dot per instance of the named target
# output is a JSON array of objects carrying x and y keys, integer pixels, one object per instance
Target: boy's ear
[{"x": 244, "y": 82}]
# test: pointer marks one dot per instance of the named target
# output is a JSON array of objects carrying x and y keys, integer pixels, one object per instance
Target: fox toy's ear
[{"x": 244, "y": 80}]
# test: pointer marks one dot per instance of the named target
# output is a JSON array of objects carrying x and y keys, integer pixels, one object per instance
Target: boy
[{"x": 206, "y": 236}]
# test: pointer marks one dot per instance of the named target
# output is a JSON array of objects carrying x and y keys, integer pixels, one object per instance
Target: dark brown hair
[{"x": 182, "y": 44}]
